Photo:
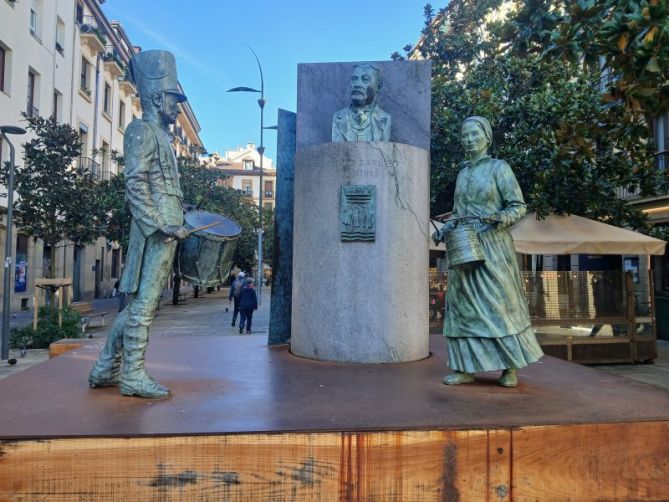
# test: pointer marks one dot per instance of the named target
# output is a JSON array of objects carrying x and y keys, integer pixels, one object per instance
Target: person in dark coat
[
  {"x": 248, "y": 302},
  {"x": 235, "y": 289}
]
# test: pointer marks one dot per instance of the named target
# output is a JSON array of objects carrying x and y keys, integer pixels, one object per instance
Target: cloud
[{"x": 181, "y": 54}]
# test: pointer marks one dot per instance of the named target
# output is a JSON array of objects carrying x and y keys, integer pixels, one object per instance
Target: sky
[{"x": 208, "y": 36}]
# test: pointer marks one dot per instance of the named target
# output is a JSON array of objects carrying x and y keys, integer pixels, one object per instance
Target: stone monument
[{"x": 361, "y": 212}]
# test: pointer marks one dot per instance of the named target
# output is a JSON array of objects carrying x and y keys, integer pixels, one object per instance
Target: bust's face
[{"x": 364, "y": 86}]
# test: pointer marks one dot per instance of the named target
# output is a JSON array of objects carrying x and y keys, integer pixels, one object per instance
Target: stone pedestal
[{"x": 362, "y": 301}]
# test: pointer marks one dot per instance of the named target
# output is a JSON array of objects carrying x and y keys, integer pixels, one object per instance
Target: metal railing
[
  {"x": 269, "y": 193},
  {"x": 31, "y": 110},
  {"x": 90, "y": 166},
  {"x": 90, "y": 25}
]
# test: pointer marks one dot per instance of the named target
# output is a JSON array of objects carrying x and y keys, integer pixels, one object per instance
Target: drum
[
  {"x": 205, "y": 257},
  {"x": 463, "y": 247}
]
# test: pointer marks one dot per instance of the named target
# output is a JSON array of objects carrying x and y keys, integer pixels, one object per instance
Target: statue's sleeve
[
  {"x": 141, "y": 149},
  {"x": 513, "y": 203}
]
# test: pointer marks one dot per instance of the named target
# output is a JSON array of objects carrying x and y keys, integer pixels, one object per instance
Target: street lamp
[
  {"x": 5, "y": 130},
  {"x": 261, "y": 151}
]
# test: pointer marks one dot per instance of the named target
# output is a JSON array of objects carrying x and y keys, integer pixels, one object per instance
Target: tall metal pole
[
  {"x": 8, "y": 253},
  {"x": 261, "y": 151}
]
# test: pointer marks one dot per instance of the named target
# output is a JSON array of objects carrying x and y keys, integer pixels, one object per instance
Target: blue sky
[{"x": 207, "y": 38}]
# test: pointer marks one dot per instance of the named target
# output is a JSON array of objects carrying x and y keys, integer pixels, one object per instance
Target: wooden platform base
[{"x": 251, "y": 423}]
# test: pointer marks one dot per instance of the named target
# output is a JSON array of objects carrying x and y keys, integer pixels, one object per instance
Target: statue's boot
[
  {"x": 107, "y": 369},
  {"x": 134, "y": 379},
  {"x": 509, "y": 378},
  {"x": 458, "y": 378}
]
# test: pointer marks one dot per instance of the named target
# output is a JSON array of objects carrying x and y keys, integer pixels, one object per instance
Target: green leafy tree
[
  {"x": 55, "y": 200},
  {"x": 200, "y": 190},
  {"x": 570, "y": 149}
]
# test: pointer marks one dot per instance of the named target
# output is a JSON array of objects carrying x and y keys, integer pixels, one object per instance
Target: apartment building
[
  {"x": 242, "y": 168},
  {"x": 64, "y": 58}
]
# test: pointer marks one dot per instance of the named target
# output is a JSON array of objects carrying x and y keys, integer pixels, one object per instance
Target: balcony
[
  {"x": 127, "y": 87},
  {"x": 92, "y": 34},
  {"x": 113, "y": 62},
  {"x": 31, "y": 110},
  {"x": 269, "y": 193},
  {"x": 88, "y": 166}
]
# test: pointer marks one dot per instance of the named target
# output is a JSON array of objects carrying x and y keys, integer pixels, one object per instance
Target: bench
[{"x": 85, "y": 309}]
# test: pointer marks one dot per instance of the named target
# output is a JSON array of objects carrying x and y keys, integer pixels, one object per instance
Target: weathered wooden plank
[
  {"x": 376, "y": 466},
  {"x": 625, "y": 461},
  {"x": 593, "y": 462}
]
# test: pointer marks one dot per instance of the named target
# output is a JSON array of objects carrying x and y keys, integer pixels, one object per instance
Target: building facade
[
  {"x": 64, "y": 58},
  {"x": 242, "y": 168}
]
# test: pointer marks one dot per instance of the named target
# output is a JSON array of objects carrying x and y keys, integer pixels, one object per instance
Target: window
[
  {"x": 83, "y": 136},
  {"x": 57, "y": 105},
  {"x": 3, "y": 59},
  {"x": 247, "y": 186},
  {"x": 35, "y": 17},
  {"x": 84, "y": 76},
  {"x": 60, "y": 36},
  {"x": 31, "y": 109},
  {"x": 106, "y": 99},
  {"x": 248, "y": 165},
  {"x": 121, "y": 115},
  {"x": 269, "y": 188},
  {"x": 33, "y": 22},
  {"x": 79, "y": 15},
  {"x": 104, "y": 153}
]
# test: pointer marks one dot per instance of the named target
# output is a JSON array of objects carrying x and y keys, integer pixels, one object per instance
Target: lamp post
[
  {"x": 261, "y": 151},
  {"x": 5, "y": 130}
]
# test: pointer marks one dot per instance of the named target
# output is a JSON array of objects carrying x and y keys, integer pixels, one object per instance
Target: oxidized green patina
[
  {"x": 487, "y": 320},
  {"x": 363, "y": 119},
  {"x": 155, "y": 200}
]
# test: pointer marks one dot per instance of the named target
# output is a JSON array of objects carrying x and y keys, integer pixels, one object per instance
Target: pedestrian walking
[
  {"x": 235, "y": 289},
  {"x": 248, "y": 302}
]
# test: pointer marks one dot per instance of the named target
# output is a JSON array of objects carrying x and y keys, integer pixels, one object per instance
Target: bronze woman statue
[{"x": 487, "y": 320}]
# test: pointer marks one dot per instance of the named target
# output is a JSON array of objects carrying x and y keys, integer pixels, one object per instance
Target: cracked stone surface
[{"x": 363, "y": 302}]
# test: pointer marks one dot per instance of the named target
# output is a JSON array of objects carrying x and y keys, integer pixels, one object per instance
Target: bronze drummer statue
[{"x": 155, "y": 199}]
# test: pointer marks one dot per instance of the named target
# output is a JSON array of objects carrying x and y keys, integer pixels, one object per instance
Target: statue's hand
[
  {"x": 490, "y": 219},
  {"x": 177, "y": 231}
]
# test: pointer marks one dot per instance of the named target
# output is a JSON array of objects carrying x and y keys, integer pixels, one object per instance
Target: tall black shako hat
[{"x": 155, "y": 71}]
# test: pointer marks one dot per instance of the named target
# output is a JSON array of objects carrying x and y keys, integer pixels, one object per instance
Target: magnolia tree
[{"x": 557, "y": 82}]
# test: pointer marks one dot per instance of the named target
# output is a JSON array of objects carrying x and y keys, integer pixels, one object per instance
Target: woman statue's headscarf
[{"x": 483, "y": 124}]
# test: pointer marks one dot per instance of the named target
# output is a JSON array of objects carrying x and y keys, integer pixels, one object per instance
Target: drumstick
[{"x": 203, "y": 227}]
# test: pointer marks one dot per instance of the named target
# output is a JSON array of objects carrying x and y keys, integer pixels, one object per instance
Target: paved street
[{"x": 211, "y": 314}]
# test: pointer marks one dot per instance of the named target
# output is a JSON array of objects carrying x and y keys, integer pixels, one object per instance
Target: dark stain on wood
[
  {"x": 345, "y": 468},
  {"x": 449, "y": 492},
  {"x": 179, "y": 480},
  {"x": 226, "y": 477},
  {"x": 306, "y": 473}
]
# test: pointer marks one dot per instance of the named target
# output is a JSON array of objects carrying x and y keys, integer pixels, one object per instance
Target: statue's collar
[{"x": 483, "y": 159}]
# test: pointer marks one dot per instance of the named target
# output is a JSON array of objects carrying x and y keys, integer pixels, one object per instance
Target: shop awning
[{"x": 577, "y": 235}]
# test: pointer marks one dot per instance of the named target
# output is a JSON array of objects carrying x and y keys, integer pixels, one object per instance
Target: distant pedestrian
[
  {"x": 235, "y": 289},
  {"x": 122, "y": 297},
  {"x": 248, "y": 302}
]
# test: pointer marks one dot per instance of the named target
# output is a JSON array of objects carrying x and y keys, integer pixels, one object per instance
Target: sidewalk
[{"x": 211, "y": 314}]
